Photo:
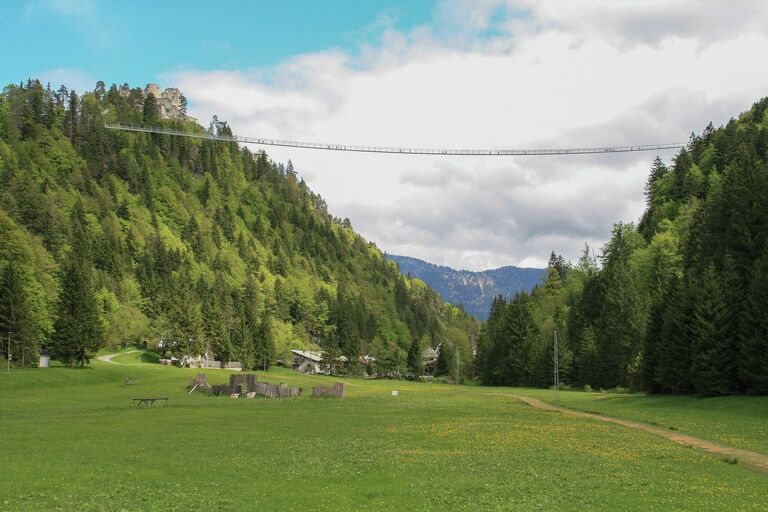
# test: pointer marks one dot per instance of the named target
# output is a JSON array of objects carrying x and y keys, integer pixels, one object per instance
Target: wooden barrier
[
  {"x": 247, "y": 385},
  {"x": 338, "y": 389},
  {"x": 210, "y": 363}
]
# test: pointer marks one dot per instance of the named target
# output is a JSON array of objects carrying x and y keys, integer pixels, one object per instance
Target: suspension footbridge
[{"x": 398, "y": 150}]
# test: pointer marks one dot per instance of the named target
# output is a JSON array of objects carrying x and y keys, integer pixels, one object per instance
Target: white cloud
[
  {"x": 500, "y": 74},
  {"x": 74, "y": 78}
]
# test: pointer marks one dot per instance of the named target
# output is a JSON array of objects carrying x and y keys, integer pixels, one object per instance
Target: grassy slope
[
  {"x": 739, "y": 421},
  {"x": 73, "y": 442}
]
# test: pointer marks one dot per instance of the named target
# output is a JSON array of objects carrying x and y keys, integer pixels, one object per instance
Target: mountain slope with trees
[
  {"x": 109, "y": 237},
  {"x": 675, "y": 304},
  {"x": 473, "y": 290}
]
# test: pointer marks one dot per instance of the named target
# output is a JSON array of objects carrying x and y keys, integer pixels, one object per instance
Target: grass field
[
  {"x": 72, "y": 441},
  {"x": 740, "y": 421}
]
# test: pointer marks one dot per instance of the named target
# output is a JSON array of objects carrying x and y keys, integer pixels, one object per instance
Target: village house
[
  {"x": 307, "y": 361},
  {"x": 429, "y": 358}
]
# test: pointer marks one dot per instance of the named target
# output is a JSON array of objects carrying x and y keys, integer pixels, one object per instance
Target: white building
[{"x": 307, "y": 361}]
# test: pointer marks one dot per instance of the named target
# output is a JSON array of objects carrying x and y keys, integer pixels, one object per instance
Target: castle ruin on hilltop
[{"x": 168, "y": 101}]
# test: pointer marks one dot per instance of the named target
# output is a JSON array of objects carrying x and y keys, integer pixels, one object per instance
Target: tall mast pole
[{"x": 557, "y": 372}]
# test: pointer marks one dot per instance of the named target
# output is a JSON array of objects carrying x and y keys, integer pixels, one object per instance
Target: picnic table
[{"x": 149, "y": 402}]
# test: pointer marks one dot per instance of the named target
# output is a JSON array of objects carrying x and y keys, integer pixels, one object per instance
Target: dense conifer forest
[
  {"x": 675, "y": 304},
  {"x": 110, "y": 237}
]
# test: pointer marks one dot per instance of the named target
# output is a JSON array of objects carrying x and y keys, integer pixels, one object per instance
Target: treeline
[
  {"x": 110, "y": 237},
  {"x": 677, "y": 304}
]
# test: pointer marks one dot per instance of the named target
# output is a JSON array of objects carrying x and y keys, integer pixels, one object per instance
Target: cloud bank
[{"x": 500, "y": 74}]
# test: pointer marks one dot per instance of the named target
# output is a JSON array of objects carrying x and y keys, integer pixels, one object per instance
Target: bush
[{"x": 587, "y": 388}]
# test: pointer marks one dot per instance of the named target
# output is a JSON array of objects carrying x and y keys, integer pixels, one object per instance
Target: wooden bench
[{"x": 149, "y": 402}]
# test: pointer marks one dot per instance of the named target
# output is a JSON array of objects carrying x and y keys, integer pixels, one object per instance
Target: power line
[{"x": 398, "y": 150}]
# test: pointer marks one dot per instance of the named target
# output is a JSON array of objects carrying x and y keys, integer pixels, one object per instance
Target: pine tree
[
  {"x": 712, "y": 361},
  {"x": 650, "y": 359},
  {"x": 620, "y": 327},
  {"x": 673, "y": 373},
  {"x": 446, "y": 360},
  {"x": 186, "y": 327},
  {"x": 183, "y": 105},
  {"x": 265, "y": 346},
  {"x": 16, "y": 314},
  {"x": 72, "y": 119},
  {"x": 330, "y": 358},
  {"x": 658, "y": 171},
  {"x": 753, "y": 353},
  {"x": 414, "y": 362},
  {"x": 151, "y": 112},
  {"x": 78, "y": 328},
  {"x": 251, "y": 335}
]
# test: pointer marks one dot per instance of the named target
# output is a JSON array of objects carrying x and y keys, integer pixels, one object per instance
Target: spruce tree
[
  {"x": 620, "y": 326},
  {"x": 446, "y": 363},
  {"x": 753, "y": 349},
  {"x": 265, "y": 345},
  {"x": 78, "y": 328},
  {"x": 673, "y": 373},
  {"x": 184, "y": 316},
  {"x": 414, "y": 361},
  {"x": 151, "y": 112},
  {"x": 712, "y": 361},
  {"x": 330, "y": 358},
  {"x": 16, "y": 315}
]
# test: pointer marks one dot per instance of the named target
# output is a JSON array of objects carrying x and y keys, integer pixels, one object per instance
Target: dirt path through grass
[
  {"x": 108, "y": 358},
  {"x": 752, "y": 460}
]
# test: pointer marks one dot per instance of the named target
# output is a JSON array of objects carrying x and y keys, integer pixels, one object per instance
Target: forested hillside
[
  {"x": 474, "y": 290},
  {"x": 110, "y": 237},
  {"x": 676, "y": 304}
]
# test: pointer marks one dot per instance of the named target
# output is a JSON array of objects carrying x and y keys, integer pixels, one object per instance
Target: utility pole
[
  {"x": 557, "y": 372},
  {"x": 9, "y": 351},
  {"x": 126, "y": 353},
  {"x": 458, "y": 368}
]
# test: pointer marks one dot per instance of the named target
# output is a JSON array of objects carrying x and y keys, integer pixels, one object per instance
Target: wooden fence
[
  {"x": 338, "y": 389},
  {"x": 277, "y": 390},
  {"x": 246, "y": 385},
  {"x": 230, "y": 365}
]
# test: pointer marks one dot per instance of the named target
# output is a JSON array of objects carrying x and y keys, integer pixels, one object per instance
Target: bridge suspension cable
[{"x": 398, "y": 150}]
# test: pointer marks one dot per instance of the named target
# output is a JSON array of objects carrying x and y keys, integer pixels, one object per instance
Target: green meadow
[
  {"x": 739, "y": 421},
  {"x": 73, "y": 441}
]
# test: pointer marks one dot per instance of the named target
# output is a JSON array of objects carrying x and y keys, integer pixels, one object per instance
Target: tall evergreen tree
[
  {"x": 753, "y": 354},
  {"x": 78, "y": 329},
  {"x": 622, "y": 321},
  {"x": 673, "y": 373},
  {"x": 265, "y": 345},
  {"x": 186, "y": 328},
  {"x": 414, "y": 362},
  {"x": 17, "y": 315},
  {"x": 445, "y": 365},
  {"x": 713, "y": 364},
  {"x": 151, "y": 112}
]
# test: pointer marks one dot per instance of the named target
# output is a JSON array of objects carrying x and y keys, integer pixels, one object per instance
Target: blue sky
[{"x": 141, "y": 41}]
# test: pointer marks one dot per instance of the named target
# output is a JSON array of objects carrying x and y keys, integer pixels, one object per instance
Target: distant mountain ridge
[{"x": 474, "y": 290}]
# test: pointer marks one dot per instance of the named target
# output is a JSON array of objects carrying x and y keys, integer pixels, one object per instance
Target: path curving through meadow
[
  {"x": 108, "y": 358},
  {"x": 753, "y": 460}
]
